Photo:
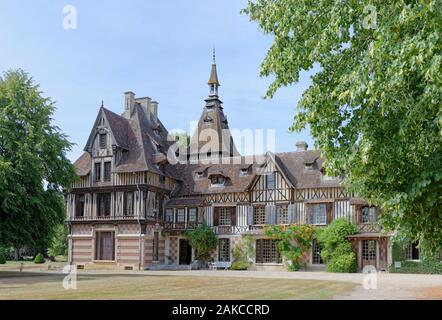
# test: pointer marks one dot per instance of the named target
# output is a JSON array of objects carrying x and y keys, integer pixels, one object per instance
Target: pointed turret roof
[
  {"x": 213, "y": 120},
  {"x": 213, "y": 74}
]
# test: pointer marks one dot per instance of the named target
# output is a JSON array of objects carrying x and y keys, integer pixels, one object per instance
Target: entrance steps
[{"x": 170, "y": 267}]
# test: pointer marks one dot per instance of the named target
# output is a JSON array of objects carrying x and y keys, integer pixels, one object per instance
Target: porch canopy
[{"x": 184, "y": 202}]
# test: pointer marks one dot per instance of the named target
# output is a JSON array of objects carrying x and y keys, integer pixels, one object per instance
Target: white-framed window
[
  {"x": 320, "y": 213},
  {"x": 282, "y": 214},
  {"x": 192, "y": 214},
  {"x": 412, "y": 251},
  {"x": 217, "y": 180},
  {"x": 368, "y": 214},
  {"x": 225, "y": 216},
  {"x": 224, "y": 249},
  {"x": 259, "y": 215},
  {"x": 169, "y": 215},
  {"x": 180, "y": 217}
]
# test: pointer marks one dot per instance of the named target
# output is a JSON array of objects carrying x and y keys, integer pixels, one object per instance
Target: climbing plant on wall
[{"x": 293, "y": 242}]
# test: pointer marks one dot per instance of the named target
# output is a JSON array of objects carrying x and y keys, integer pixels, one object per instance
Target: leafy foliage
[
  {"x": 203, "y": 240},
  {"x": 243, "y": 254},
  {"x": 59, "y": 245},
  {"x": 293, "y": 242},
  {"x": 374, "y": 106},
  {"x": 33, "y": 164},
  {"x": 429, "y": 260},
  {"x": 39, "y": 259},
  {"x": 2, "y": 256},
  {"x": 336, "y": 251}
]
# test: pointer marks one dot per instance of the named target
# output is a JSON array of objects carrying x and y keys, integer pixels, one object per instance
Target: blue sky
[{"x": 160, "y": 49}]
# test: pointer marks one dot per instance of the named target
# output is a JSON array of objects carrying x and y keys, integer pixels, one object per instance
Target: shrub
[
  {"x": 59, "y": 244},
  {"x": 343, "y": 259},
  {"x": 39, "y": 259},
  {"x": 429, "y": 261},
  {"x": 242, "y": 254},
  {"x": 2, "y": 256},
  {"x": 203, "y": 240},
  {"x": 293, "y": 242},
  {"x": 336, "y": 250}
]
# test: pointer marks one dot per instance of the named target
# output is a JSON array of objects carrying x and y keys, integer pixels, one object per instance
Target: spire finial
[
  {"x": 214, "y": 62},
  {"x": 102, "y": 103}
]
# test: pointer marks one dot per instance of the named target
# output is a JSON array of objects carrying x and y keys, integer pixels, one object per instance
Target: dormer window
[
  {"x": 217, "y": 180},
  {"x": 308, "y": 165},
  {"x": 244, "y": 171},
  {"x": 103, "y": 140},
  {"x": 207, "y": 121},
  {"x": 199, "y": 174}
]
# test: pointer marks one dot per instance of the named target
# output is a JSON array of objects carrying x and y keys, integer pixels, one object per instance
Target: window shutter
[
  {"x": 308, "y": 211},
  {"x": 268, "y": 214},
  {"x": 273, "y": 214},
  {"x": 233, "y": 216},
  {"x": 291, "y": 213},
  {"x": 250, "y": 215},
  {"x": 215, "y": 216},
  {"x": 329, "y": 209}
]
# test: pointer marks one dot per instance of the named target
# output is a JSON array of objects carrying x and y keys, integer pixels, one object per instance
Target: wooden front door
[
  {"x": 369, "y": 253},
  {"x": 105, "y": 245},
  {"x": 185, "y": 252}
]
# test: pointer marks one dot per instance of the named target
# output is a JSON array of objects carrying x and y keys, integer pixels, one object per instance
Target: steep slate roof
[
  {"x": 136, "y": 135},
  {"x": 83, "y": 164},
  {"x": 119, "y": 127},
  {"x": 214, "y": 118},
  {"x": 294, "y": 166},
  {"x": 191, "y": 184}
]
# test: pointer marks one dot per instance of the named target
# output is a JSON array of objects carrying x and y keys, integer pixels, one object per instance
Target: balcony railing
[
  {"x": 180, "y": 225},
  {"x": 369, "y": 228},
  {"x": 151, "y": 214}
]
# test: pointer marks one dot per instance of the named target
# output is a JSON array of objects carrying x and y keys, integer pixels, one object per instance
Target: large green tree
[
  {"x": 33, "y": 164},
  {"x": 374, "y": 105}
]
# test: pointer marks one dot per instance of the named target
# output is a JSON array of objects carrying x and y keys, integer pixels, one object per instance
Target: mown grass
[{"x": 27, "y": 285}]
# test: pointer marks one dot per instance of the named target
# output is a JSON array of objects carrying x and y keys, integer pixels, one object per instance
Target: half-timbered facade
[{"x": 131, "y": 207}]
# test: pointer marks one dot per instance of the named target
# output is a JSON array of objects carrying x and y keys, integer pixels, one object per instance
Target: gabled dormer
[{"x": 108, "y": 134}]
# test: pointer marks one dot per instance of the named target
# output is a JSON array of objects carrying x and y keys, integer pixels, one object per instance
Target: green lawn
[{"x": 27, "y": 285}]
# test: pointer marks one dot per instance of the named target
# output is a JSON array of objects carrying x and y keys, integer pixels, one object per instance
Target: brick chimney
[
  {"x": 153, "y": 109},
  {"x": 129, "y": 103},
  {"x": 301, "y": 146}
]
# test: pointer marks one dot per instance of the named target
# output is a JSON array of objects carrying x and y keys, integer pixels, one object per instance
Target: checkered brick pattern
[
  {"x": 81, "y": 229},
  {"x": 128, "y": 229},
  {"x": 149, "y": 230},
  {"x": 173, "y": 246}
]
